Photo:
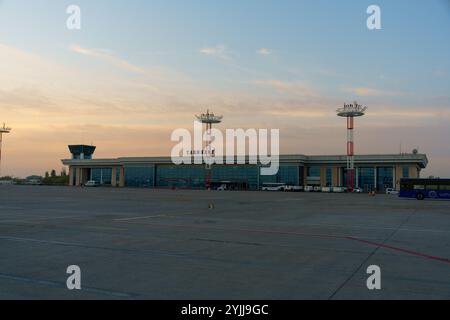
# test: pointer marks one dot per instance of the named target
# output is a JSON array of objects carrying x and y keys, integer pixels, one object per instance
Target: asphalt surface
[{"x": 164, "y": 244}]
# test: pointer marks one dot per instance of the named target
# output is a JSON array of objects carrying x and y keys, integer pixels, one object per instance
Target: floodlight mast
[
  {"x": 209, "y": 119},
  {"x": 3, "y": 130},
  {"x": 350, "y": 111}
]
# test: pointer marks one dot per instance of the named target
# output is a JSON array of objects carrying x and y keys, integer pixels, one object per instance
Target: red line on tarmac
[{"x": 415, "y": 253}]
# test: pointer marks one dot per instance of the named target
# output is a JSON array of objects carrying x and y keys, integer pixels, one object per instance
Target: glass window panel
[{"x": 139, "y": 176}]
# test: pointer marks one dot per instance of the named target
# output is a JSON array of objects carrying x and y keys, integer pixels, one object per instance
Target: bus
[{"x": 425, "y": 188}]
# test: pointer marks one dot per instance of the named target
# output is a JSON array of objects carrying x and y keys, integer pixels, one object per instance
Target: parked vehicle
[
  {"x": 308, "y": 189},
  {"x": 293, "y": 188},
  {"x": 274, "y": 187},
  {"x": 222, "y": 188},
  {"x": 358, "y": 190},
  {"x": 338, "y": 189},
  {"x": 326, "y": 189},
  {"x": 391, "y": 191},
  {"x": 317, "y": 189},
  {"x": 425, "y": 188},
  {"x": 91, "y": 183}
]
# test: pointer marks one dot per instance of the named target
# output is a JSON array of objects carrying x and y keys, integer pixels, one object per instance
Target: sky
[{"x": 137, "y": 70}]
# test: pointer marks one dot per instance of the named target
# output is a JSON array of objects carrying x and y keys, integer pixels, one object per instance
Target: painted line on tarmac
[
  {"x": 141, "y": 218},
  {"x": 62, "y": 285},
  {"x": 40, "y": 219},
  {"x": 106, "y": 228},
  {"x": 411, "y": 252},
  {"x": 162, "y": 253},
  {"x": 242, "y": 230},
  {"x": 318, "y": 235},
  {"x": 10, "y": 208},
  {"x": 372, "y": 228}
]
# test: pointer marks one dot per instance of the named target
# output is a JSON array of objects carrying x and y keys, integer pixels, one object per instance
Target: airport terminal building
[{"x": 373, "y": 172}]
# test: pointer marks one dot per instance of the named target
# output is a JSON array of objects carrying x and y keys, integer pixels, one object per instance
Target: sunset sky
[{"x": 137, "y": 70}]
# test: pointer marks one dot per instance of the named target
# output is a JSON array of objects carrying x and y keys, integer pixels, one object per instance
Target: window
[
  {"x": 405, "y": 172},
  {"x": 406, "y": 187},
  {"x": 139, "y": 176},
  {"x": 419, "y": 187},
  {"x": 444, "y": 187},
  {"x": 184, "y": 176},
  {"x": 329, "y": 177},
  {"x": 314, "y": 172},
  {"x": 431, "y": 187},
  {"x": 385, "y": 178},
  {"x": 101, "y": 175},
  {"x": 367, "y": 178},
  {"x": 290, "y": 175}
]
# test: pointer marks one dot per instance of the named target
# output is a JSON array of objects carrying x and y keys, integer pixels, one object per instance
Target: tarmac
[{"x": 165, "y": 244}]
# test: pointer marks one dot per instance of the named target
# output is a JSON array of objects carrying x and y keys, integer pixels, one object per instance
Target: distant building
[{"x": 373, "y": 172}]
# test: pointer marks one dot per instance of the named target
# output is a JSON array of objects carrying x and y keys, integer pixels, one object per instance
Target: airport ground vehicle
[
  {"x": 91, "y": 183},
  {"x": 425, "y": 188},
  {"x": 338, "y": 189},
  {"x": 274, "y": 187},
  {"x": 223, "y": 187},
  {"x": 391, "y": 191},
  {"x": 293, "y": 188}
]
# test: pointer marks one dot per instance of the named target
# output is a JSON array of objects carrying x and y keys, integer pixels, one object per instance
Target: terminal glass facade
[
  {"x": 181, "y": 176},
  {"x": 101, "y": 175},
  {"x": 139, "y": 176},
  {"x": 329, "y": 177},
  {"x": 291, "y": 175},
  {"x": 313, "y": 175},
  {"x": 366, "y": 178},
  {"x": 385, "y": 178},
  {"x": 405, "y": 172},
  {"x": 244, "y": 176}
]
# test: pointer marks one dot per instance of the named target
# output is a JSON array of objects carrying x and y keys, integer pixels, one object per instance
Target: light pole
[
  {"x": 209, "y": 119},
  {"x": 3, "y": 130},
  {"x": 350, "y": 111}
]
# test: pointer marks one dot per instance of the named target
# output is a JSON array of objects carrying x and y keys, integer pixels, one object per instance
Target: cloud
[
  {"x": 107, "y": 56},
  {"x": 50, "y": 105},
  {"x": 219, "y": 51},
  {"x": 371, "y": 92},
  {"x": 440, "y": 73},
  {"x": 264, "y": 52}
]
